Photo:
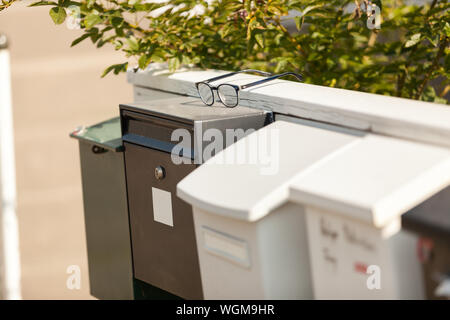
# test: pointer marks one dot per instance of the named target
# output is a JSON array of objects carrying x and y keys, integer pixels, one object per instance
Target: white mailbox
[
  {"x": 354, "y": 201},
  {"x": 293, "y": 211},
  {"x": 251, "y": 243}
]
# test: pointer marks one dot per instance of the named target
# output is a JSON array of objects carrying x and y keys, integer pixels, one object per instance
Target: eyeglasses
[{"x": 229, "y": 93}]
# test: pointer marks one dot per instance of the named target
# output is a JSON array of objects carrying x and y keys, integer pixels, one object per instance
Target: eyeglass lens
[
  {"x": 205, "y": 93},
  {"x": 228, "y": 95}
]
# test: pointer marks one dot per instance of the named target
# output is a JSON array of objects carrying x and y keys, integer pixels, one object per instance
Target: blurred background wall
[{"x": 55, "y": 89}]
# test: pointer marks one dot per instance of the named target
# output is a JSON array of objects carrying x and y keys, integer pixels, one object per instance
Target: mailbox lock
[
  {"x": 160, "y": 173},
  {"x": 98, "y": 150}
]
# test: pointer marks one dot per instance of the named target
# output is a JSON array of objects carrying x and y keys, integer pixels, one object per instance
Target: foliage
[
  {"x": 6, "y": 3},
  {"x": 332, "y": 44}
]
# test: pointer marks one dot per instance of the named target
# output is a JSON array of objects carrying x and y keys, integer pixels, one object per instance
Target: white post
[{"x": 9, "y": 237}]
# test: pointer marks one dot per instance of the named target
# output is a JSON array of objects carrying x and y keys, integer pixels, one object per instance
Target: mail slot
[{"x": 164, "y": 141}]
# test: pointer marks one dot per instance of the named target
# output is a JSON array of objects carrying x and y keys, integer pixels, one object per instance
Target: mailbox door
[
  {"x": 162, "y": 226},
  {"x": 106, "y": 222}
]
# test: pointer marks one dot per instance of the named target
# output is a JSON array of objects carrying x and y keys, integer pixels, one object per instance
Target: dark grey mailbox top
[
  {"x": 188, "y": 110},
  {"x": 151, "y": 123}
]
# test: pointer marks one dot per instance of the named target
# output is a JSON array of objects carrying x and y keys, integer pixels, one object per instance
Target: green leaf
[
  {"x": 116, "y": 21},
  {"x": 158, "y": 55},
  {"x": 174, "y": 64},
  {"x": 447, "y": 29},
  {"x": 108, "y": 70},
  {"x": 434, "y": 41},
  {"x": 58, "y": 14},
  {"x": 144, "y": 61},
  {"x": 92, "y": 19},
  {"x": 359, "y": 37},
  {"x": 298, "y": 22},
  {"x": 117, "y": 44},
  {"x": 278, "y": 38},
  {"x": 225, "y": 31},
  {"x": 133, "y": 43},
  {"x": 251, "y": 25},
  {"x": 310, "y": 8},
  {"x": 415, "y": 38},
  {"x": 90, "y": 3},
  {"x": 78, "y": 40},
  {"x": 43, "y": 3},
  {"x": 117, "y": 68},
  {"x": 281, "y": 65},
  {"x": 259, "y": 39}
]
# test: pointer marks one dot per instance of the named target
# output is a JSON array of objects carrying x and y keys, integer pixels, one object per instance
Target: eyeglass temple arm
[
  {"x": 266, "y": 74},
  {"x": 298, "y": 76}
]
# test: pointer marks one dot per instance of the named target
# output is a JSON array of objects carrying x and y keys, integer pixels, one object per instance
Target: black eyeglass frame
[
  {"x": 270, "y": 77},
  {"x": 223, "y": 76},
  {"x": 235, "y": 87}
]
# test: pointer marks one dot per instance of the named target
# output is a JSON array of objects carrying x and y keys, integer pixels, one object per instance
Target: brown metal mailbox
[{"x": 162, "y": 228}]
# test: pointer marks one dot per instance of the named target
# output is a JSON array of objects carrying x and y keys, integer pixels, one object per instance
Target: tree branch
[
  {"x": 6, "y": 4},
  {"x": 402, "y": 78},
  {"x": 433, "y": 66}
]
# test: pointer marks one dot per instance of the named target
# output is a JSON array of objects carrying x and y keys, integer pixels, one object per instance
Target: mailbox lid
[
  {"x": 376, "y": 179},
  {"x": 153, "y": 123},
  {"x": 106, "y": 134},
  {"x": 250, "y": 190}
]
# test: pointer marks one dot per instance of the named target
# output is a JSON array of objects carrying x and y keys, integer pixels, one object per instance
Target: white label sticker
[
  {"x": 226, "y": 246},
  {"x": 162, "y": 206}
]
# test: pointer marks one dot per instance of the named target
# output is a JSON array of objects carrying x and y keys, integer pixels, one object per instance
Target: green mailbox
[
  {"x": 106, "y": 215},
  {"x": 106, "y": 210}
]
